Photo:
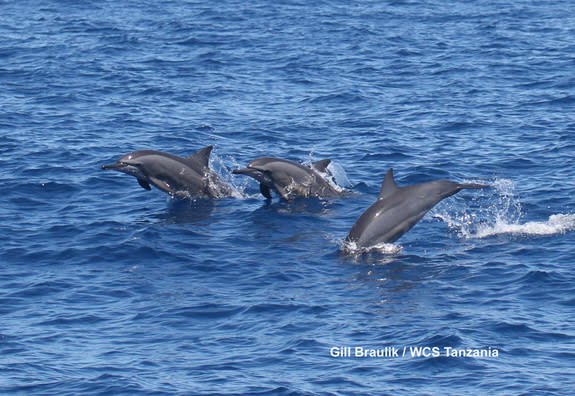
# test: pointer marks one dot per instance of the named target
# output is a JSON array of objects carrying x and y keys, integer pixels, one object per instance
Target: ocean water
[{"x": 106, "y": 288}]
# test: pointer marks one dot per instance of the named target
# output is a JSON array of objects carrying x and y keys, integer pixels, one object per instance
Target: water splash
[
  {"x": 353, "y": 249},
  {"x": 338, "y": 179},
  {"x": 223, "y": 166},
  {"x": 335, "y": 175},
  {"x": 499, "y": 211}
]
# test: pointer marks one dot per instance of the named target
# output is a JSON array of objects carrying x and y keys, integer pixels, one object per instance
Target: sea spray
[
  {"x": 498, "y": 211},
  {"x": 223, "y": 166}
]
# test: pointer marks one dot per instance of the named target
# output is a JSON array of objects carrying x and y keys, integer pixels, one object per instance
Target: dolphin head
[
  {"x": 257, "y": 169},
  {"x": 128, "y": 164}
]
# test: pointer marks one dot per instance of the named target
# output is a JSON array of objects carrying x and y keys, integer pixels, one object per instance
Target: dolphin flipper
[
  {"x": 145, "y": 185},
  {"x": 265, "y": 190},
  {"x": 285, "y": 194},
  {"x": 162, "y": 185}
]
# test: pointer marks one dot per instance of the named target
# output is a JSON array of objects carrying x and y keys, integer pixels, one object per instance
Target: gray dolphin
[
  {"x": 290, "y": 179},
  {"x": 397, "y": 209},
  {"x": 189, "y": 177}
]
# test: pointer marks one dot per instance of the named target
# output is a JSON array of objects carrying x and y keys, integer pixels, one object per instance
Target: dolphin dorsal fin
[
  {"x": 321, "y": 166},
  {"x": 388, "y": 185},
  {"x": 202, "y": 156}
]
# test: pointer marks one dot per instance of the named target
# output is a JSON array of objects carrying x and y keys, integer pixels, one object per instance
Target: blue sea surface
[{"x": 106, "y": 288}]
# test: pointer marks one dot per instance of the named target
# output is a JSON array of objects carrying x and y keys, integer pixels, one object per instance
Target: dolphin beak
[
  {"x": 254, "y": 173},
  {"x": 245, "y": 171},
  {"x": 251, "y": 172},
  {"x": 114, "y": 166}
]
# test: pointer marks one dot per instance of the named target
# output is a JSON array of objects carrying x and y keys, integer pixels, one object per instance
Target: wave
[{"x": 501, "y": 213}]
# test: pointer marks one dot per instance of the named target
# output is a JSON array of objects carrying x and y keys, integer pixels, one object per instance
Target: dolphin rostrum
[
  {"x": 397, "y": 209},
  {"x": 290, "y": 179},
  {"x": 189, "y": 177}
]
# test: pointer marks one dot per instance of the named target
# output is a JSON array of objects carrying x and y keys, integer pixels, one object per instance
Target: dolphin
[
  {"x": 398, "y": 209},
  {"x": 189, "y": 177},
  {"x": 290, "y": 179}
]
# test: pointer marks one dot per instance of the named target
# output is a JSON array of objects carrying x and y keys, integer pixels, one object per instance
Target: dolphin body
[
  {"x": 398, "y": 209},
  {"x": 290, "y": 179},
  {"x": 189, "y": 177}
]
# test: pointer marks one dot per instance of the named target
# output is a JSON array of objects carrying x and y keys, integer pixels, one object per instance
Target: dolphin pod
[{"x": 396, "y": 211}]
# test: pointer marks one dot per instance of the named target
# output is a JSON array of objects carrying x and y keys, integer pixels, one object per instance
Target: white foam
[
  {"x": 352, "y": 248},
  {"x": 556, "y": 224}
]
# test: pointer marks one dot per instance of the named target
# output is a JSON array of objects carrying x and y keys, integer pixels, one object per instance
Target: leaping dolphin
[
  {"x": 398, "y": 209},
  {"x": 290, "y": 179},
  {"x": 189, "y": 177}
]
